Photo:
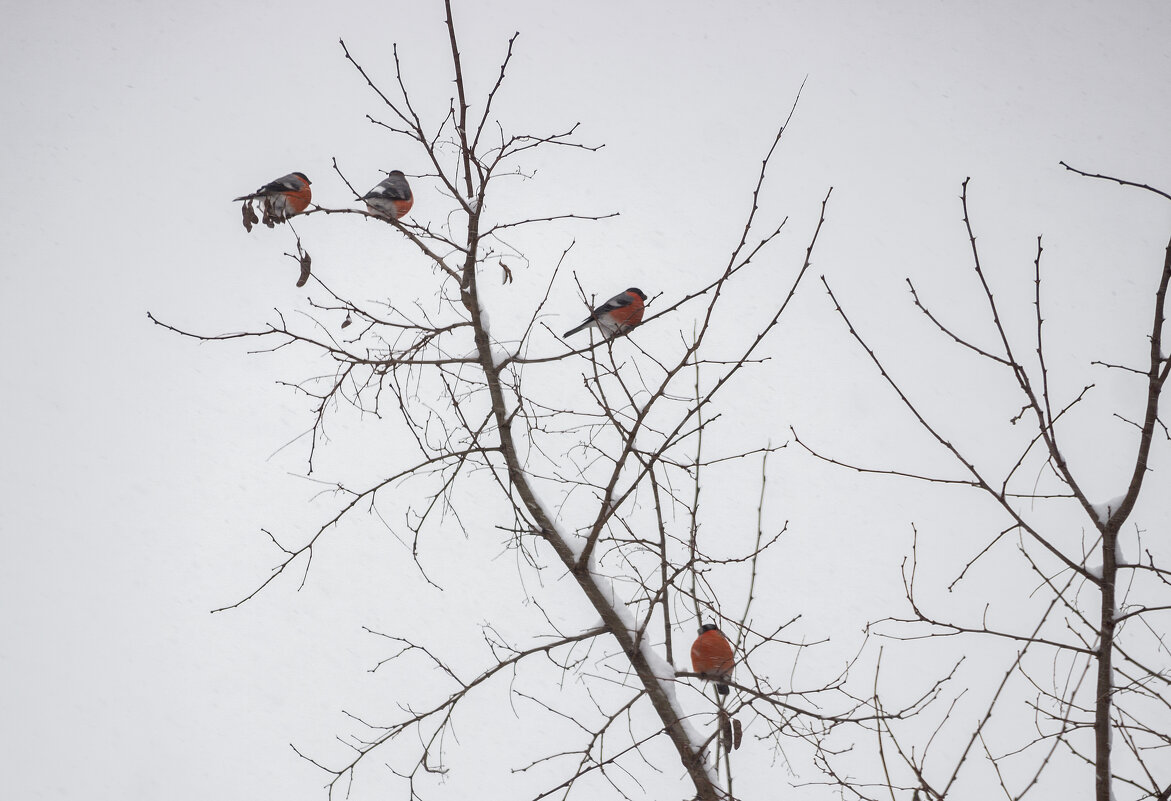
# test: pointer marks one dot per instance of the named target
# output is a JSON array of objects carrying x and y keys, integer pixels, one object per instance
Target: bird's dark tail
[
  {"x": 573, "y": 331},
  {"x": 722, "y": 689}
]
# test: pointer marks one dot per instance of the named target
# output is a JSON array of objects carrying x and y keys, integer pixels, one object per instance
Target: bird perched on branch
[
  {"x": 617, "y": 316},
  {"x": 279, "y": 200},
  {"x": 711, "y": 655},
  {"x": 392, "y": 197}
]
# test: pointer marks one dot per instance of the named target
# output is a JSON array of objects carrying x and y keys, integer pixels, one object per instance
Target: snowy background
[{"x": 141, "y": 467}]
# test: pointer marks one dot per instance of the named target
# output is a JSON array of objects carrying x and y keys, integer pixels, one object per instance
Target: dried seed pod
[
  {"x": 306, "y": 262},
  {"x": 250, "y": 218}
]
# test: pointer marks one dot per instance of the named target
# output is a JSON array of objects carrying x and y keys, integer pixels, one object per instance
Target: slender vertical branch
[
  {"x": 664, "y": 569},
  {"x": 1156, "y": 380},
  {"x": 461, "y": 125},
  {"x": 1103, "y": 701},
  {"x": 756, "y": 550},
  {"x": 693, "y": 531},
  {"x": 1040, "y": 346}
]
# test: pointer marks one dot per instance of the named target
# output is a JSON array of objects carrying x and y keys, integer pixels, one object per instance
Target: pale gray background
[{"x": 139, "y": 468}]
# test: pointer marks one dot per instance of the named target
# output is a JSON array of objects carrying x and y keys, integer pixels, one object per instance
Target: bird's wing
[
  {"x": 393, "y": 188},
  {"x": 616, "y": 302},
  {"x": 286, "y": 183}
]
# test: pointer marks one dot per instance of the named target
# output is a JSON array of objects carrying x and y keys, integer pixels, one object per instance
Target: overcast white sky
[{"x": 140, "y": 468}]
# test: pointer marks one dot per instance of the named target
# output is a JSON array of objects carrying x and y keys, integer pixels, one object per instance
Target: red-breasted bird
[
  {"x": 391, "y": 198},
  {"x": 280, "y": 199},
  {"x": 711, "y": 655},
  {"x": 617, "y": 316}
]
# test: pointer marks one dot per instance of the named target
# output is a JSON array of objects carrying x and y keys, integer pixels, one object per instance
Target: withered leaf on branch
[
  {"x": 306, "y": 262},
  {"x": 727, "y": 738},
  {"x": 250, "y": 218},
  {"x": 737, "y": 733},
  {"x": 346, "y": 322},
  {"x": 507, "y": 279}
]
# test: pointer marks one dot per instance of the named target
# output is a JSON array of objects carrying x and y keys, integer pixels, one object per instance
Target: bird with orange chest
[
  {"x": 392, "y": 198},
  {"x": 279, "y": 200},
  {"x": 616, "y": 317},
  {"x": 712, "y": 656}
]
